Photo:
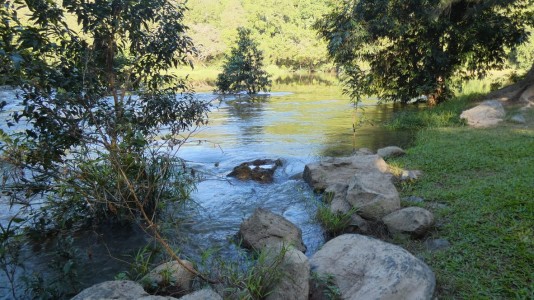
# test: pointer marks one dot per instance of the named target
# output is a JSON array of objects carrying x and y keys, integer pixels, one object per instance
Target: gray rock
[
  {"x": 391, "y": 151},
  {"x": 365, "y": 268},
  {"x": 373, "y": 194},
  {"x": 340, "y": 170},
  {"x": 358, "y": 224},
  {"x": 170, "y": 275},
  {"x": 119, "y": 289},
  {"x": 204, "y": 294},
  {"x": 360, "y": 180},
  {"x": 415, "y": 221},
  {"x": 519, "y": 119},
  {"x": 488, "y": 113},
  {"x": 437, "y": 244},
  {"x": 295, "y": 282},
  {"x": 265, "y": 228}
]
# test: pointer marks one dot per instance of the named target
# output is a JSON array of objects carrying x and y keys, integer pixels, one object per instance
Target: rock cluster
[
  {"x": 358, "y": 266},
  {"x": 364, "y": 182}
]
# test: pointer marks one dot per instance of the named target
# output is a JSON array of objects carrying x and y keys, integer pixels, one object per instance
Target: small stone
[
  {"x": 437, "y": 244},
  {"x": 519, "y": 119},
  {"x": 409, "y": 175}
]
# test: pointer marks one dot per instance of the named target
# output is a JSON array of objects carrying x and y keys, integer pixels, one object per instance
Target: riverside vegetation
[
  {"x": 479, "y": 183},
  {"x": 98, "y": 160}
]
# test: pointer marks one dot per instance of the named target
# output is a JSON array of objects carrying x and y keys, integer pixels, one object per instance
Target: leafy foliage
[
  {"x": 286, "y": 36},
  {"x": 243, "y": 67},
  {"x": 401, "y": 50},
  {"x": 95, "y": 100}
]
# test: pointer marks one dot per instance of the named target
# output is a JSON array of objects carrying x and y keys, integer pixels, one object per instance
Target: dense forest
[{"x": 283, "y": 29}]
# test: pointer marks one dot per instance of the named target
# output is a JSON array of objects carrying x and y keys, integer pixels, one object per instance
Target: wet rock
[
  {"x": 205, "y": 294},
  {"x": 437, "y": 244},
  {"x": 260, "y": 170},
  {"x": 415, "y": 221},
  {"x": 295, "y": 270},
  {"x": 265, "y": 228},
  {"x": 170, "y": 276},
  {"x": 391, "y": 151},
  {"x": 488, "y": 113},
  {"x": 365, "y": 268},
  {"x": 118, "y": 289}
]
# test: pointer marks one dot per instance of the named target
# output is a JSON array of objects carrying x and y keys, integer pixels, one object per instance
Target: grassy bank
[{"x": 480, "y": 185}]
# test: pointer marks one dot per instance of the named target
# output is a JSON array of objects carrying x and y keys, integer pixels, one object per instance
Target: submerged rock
[
  {"x": 261, "y": 170},
  {"x": 265, "y": 228},
  {"x": 365, "y": 268}
]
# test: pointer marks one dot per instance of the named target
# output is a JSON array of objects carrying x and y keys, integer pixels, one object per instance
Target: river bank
[{"x": 479, "y": 183}]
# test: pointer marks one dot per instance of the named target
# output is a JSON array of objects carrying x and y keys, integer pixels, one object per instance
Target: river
[{"x": 298, "y": 123}]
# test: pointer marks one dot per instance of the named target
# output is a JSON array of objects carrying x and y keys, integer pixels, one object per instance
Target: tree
[
  {"x": 243, "y": 67},
  {"x": 404, "y": 49},
  {"x": 95, "y": 101}
]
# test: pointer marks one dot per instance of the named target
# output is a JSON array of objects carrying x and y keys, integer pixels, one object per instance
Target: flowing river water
[{"x": 299, "y": 123}]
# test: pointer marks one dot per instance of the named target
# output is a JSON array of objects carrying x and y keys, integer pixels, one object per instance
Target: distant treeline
[{"x": 282, "y": 28}]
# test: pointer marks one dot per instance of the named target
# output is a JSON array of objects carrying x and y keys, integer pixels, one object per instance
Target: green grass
[{"x": 485, "y": 178}]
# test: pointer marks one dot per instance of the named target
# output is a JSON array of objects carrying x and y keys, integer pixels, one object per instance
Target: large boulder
[
  {"x": 118, "y": 289},
  {"x": 415, "y": 221},
  {"x": 365, "y": 268},
  {"x": 265, "y": 228},
  {"x": 488, "y": 113},
  {"x": 373, "y": 194},
  {"x": 171, "y": 277},
  {"x": 260, "y": 170},
  {"x": 340, "y": 170},
  {"x": 295, "y": 281}
]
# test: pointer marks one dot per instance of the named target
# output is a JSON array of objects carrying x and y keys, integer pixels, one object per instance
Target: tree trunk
[{"x": 513, "y": 92}]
